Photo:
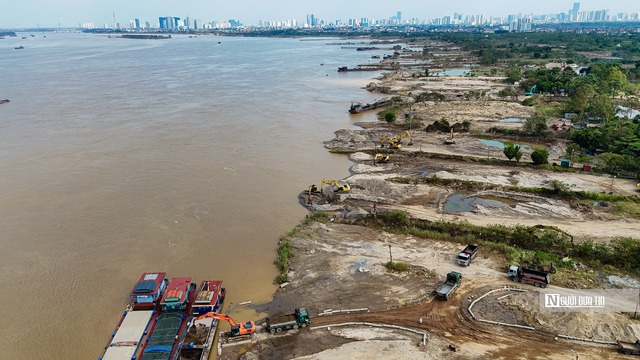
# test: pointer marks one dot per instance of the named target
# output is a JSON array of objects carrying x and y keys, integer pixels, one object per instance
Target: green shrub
[
  {"x": 396, "y": 266},
  {"x": 540, "y": 156},
  {"x": 389, "y": 117},
  {"x": 512, "y": 151},
  {"x": 530, "y": 101},
  {"x": 394, "y": 218}
]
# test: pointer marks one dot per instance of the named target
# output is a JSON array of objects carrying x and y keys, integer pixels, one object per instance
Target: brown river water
[{"x": 122, "y": 156}]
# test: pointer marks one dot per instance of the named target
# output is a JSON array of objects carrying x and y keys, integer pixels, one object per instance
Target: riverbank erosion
[
  {"x": 430, "y": 176},
  {"x": 419, "y": 209}
]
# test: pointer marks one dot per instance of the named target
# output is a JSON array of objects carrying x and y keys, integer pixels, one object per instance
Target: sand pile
[{"x": 524, "y": 309}]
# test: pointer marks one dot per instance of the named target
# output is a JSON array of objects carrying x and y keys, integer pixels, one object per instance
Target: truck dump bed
[
  {"x": 470, "y": 249},
  {"x": 444, "y": 289},
  {"x": 281, "y": 319},
  {"x": 629, "y": 347},
  {"x": 535, "y": 274}
]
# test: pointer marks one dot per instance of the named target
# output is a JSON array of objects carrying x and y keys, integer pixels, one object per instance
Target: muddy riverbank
[{"x": 340, "y": 266}]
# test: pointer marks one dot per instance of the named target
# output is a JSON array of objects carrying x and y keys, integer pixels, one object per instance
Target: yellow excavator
[
  {"x": 393, "y": 143},
  {"x": 380, "y": 158},
  {"x": 450, "y": 140},
  {"x": 407, "y": 134},
  {"x": 638, "y": 187},
  {"x": 344, "y": 187}
]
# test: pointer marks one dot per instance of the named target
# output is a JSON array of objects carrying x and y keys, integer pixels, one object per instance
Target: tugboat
[{"x": 19, "y": 47}]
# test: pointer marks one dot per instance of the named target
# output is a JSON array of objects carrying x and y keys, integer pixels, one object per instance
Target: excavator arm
[
  {"x": 383, "y": 158},
  {"x": 246, "y": 328},
  {"x": 398, "y": 138},
  {"x": 217, "y": 316},
  {"x": 393, "y": 143},
  {"x": 341, "y": 187}
]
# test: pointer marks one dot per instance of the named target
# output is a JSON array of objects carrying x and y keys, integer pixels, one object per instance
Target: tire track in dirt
[{"x": 448, "y": 320}]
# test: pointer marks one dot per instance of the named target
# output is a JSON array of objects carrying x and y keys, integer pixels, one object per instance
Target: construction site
[{"x": 344, "y": 266}]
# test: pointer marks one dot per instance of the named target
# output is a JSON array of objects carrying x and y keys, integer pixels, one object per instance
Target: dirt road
[
  {"x": 446, "y": 320},
  {"x": 581, "y": 229}
]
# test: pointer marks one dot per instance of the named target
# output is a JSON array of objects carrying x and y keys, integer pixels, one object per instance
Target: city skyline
[{"x": 70, "y": 13}]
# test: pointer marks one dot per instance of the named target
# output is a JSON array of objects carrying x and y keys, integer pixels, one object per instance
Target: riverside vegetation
[{"x": 518, "y": 243}]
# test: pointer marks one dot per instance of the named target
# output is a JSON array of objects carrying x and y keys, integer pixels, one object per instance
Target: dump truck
[
  {"x": 529, "y": 276},
  {"x": 468, "y": 254},
  {"x": 453, "y": 282},
  {"x": 629, "y": 348},
  {"x": 299, "y": 319}
]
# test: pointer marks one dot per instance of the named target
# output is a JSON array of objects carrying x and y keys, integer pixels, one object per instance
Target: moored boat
[
  {"x": 198, "y": 342},
  {"x": 170, "y": 326},
  {"x": 357, "y": 107},
  {"x": 160, "y": 321},
  {"x": 177, "y": 295},
  {"x": 210, "y": 297},
  {"x": 128, "y": 336},
  {"x": 127, "y": 340},
  {"x": 148, "y": 290}
]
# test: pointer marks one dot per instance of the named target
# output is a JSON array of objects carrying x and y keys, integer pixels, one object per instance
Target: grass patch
[
  {"x": 397, "y": 266},
  {"x": 535, "y": 244},
  {"x": 549, "y": 110},
  {"x": 285, "y": 252},
  {"x": 317, "y": 216},
  {"x": 282, "y": 260},
  {"x": 626, "y": 208}
]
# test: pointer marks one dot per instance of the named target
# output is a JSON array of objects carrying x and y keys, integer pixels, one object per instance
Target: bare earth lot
[{"x": 340, "y": 266}]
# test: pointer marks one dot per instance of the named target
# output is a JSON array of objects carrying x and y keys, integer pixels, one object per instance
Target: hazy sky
[{"x": 48, "y": 13}]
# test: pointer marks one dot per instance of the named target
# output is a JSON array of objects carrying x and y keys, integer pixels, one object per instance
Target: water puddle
[
  {"x": 513, "y": 120},
  {"x": 500, "y": 144},
  {"x": 460, "y": 203},
  {"x": 452, "y": 72}
]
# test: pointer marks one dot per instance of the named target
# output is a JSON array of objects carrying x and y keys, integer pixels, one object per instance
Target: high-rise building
[
  {"x": 524, "y": 24},
  {"x": 164, "y": 22},
  {"x": 312, "y": 20},
  {"x": 576, "y": 7},
  {"x": 399, "y": 16},
  {"x": 137, "y": 24}
]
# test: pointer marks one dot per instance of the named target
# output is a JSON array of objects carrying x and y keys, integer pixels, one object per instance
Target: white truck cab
[{"x": 513, "y": 271}]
